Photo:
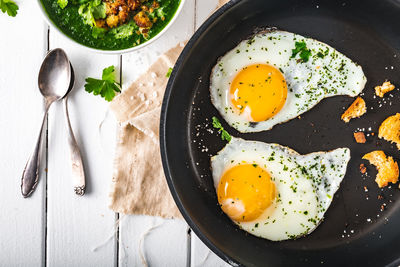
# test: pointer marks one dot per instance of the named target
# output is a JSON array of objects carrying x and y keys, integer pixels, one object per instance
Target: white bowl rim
[{"x": 110, "y": 52}]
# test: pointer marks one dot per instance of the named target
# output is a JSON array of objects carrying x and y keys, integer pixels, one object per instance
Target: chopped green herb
[
  {"x": 125, "y": 30},
  {"x": 169, "y": 72},
  {"x": 98, "y": 33},
  {"x": 301, "y": 47},
  {"x": 62, "y": 3},
  {"x": 106, "y": 87},
  {"x": 99, "y": 11},
  {"x": 224, "y": 134},
  {"x": 285, "y": 168}
]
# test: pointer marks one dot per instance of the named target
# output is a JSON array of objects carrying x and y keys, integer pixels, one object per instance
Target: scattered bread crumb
[
  {"x": 388, "y": 170},
  {"x": 363, "y": 169},
  {"x": 384, "y": 88},
  {"x": 360, "y": 137},
  {"x": 356, "y": 110},
  {"x": 390, "y": 129}
]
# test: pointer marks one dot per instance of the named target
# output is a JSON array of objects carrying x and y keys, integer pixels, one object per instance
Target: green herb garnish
[
  {"x": 9, "y": 7},
  {"x": 98, "y": 32},
  {"x": 62, "y": 3},
  {"x": 125, "y": 30},
  {"x": 224, "y": 134},
  {"x": 301, "y": 47},
  {"x": 106, "y": 87},
  {"x": 169, "y": 72},
  {"x": 92, "y": 10}
]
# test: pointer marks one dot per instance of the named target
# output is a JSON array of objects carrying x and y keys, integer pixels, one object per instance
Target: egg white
[
  {"x": 305, "y": 185},
  {"x": 327, "y": 74}
]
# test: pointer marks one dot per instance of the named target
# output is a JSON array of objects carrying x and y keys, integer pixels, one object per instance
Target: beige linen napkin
[{"x": 139, "y": 185}]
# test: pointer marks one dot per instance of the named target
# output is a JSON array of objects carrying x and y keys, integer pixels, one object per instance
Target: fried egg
[
  {"x": 273, "y": 192},
  {"x": 276, "y": 76}
]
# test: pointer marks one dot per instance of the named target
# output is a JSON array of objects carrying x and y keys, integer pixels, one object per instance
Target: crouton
[
  {"x": 384, "y": 88},
  {"x": 356, "y": 110},
  {"x": 133, "y": 4},
  {"x": 110, "y": 8},
  {"x": 112, "y": 21},
  {"x": 123, "y": 13},
  {"x": 388, "y": 170},
  {"x": 101, "y": 23},
  {"x": 390, "y": 129},
  {"x": 142, "y": 20},
  {"x": 360, "y": 137},
  {"x": 155, "y": 4},
  {"x": 363, "y": 169}
]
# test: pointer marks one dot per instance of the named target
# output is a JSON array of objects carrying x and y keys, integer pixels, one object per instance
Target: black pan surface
[{"x": 362, "y": 226}]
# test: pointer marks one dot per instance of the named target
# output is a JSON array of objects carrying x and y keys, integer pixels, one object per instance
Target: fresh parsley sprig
[
  {"x": 301, "y": 47},
  {"x": 224, "y": 134},
  {"x": 106, "y": 87},
  {"x": 9, "y": 7}
]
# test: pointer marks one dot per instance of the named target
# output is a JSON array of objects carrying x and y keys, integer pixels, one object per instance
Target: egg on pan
[
  {"x": 273, "y": 192},
  {"x": 276, "y": 76}
]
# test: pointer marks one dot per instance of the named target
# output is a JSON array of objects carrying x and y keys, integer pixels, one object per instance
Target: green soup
[{"x": 71, "y": 23}]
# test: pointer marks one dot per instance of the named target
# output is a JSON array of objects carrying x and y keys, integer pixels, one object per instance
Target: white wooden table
[{"x": 54, "y": 227}]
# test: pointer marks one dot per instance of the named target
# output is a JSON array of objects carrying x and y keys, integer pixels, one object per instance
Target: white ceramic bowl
[{"x": 54, "y": 26}]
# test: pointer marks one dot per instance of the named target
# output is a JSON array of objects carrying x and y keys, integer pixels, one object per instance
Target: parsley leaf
[
  {"x": 106, "y": 87},
  {"x": 305, "y": 55},
  {"x": 62, "y": 3},
  {"x": 98, "y": 33},
  {"x": 224, "y": 134},
  {"x": 216, "y": 123},
  {"x": 125, "y": 30},
  {"x": 9, "y": 7},
  {"x": 85, "y": 11},
  {"x": 160, "y": 13},
  {"x": 301, "y": 47},
  {"x": 99, "y": 11},
  {"x": 108, "y": 74},
  {"x": 169, "y": 73},
  {"x": 92, "y": 10},
  {"x": 298, "y": 47}
]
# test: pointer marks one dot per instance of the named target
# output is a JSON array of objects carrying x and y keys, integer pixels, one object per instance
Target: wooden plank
[
  {"x": 203, "y": 256},
  {"x": 167, "y": 244},
  {"x": 21, "y": 110},
  {"x": 152, "y": 241},
  {"x": 80, "y": 230},
  {"x": 204, "y": 8}
]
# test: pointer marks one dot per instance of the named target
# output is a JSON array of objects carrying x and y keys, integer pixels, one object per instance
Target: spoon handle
[
  {"x": 30, "y": 176},
  {"x": 78, "y": 174}
]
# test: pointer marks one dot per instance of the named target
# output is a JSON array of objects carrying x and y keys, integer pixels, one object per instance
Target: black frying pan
[{"x": 355, "y": 230}]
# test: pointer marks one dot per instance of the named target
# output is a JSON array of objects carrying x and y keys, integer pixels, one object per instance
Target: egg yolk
[
  {"x": 258, "y": 90},
  {"x": 245, "y": 191}
]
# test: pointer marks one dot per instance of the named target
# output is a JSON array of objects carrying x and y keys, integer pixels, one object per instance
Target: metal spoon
[
  {"x": 54, "y": 80},
  {"x": 78, "y": 174}
]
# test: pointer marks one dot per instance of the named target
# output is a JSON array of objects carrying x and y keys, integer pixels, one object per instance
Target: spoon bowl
[{"x": 55, "y": 75}]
